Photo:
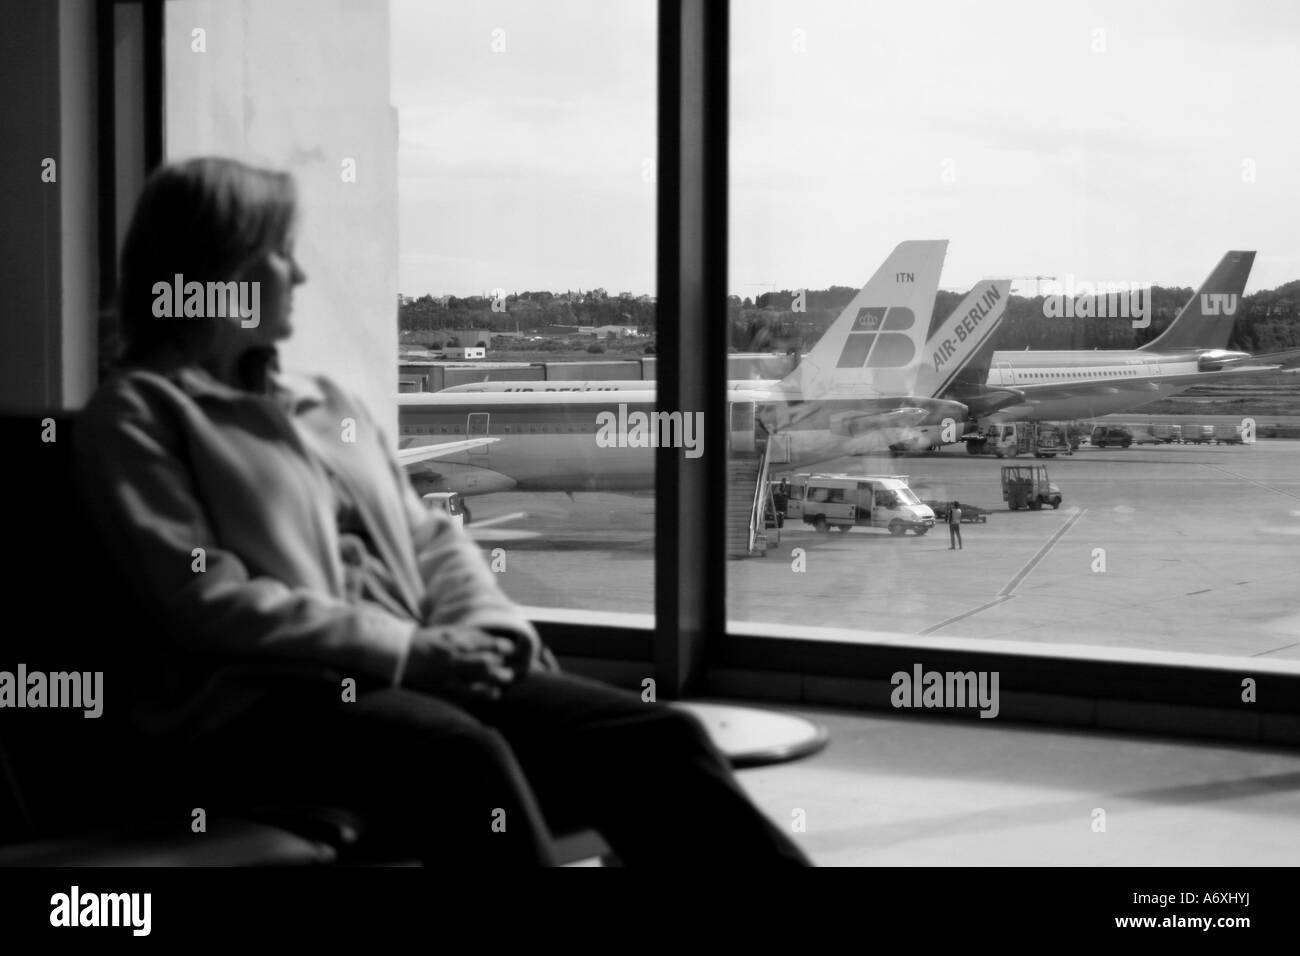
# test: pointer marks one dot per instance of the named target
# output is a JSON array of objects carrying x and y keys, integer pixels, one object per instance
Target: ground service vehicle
[
  {"x": 1104, "y": 435},
  {"x": 1027, "y": 486},
  {"x": 970, "y": 514},
  {"x": 1007, "y": 440},
  {"x": 451, "y": 503},
  {"x": 1228, "y": 435},
  {"x": 857, "y": 501},
  {"x": 1144, "y": 435}
]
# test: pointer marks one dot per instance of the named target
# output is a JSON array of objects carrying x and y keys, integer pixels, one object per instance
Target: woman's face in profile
[{"x": 276, "y": 272}]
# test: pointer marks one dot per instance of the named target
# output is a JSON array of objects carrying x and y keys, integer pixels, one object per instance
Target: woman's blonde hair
[{"x": 207, "y": 220}]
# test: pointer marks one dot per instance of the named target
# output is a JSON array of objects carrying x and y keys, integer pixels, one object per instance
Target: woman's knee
[
  {"x": 676, "y": 730},
  {"x": 437, "y": 730},
  {"x": 479, "y": 749}
]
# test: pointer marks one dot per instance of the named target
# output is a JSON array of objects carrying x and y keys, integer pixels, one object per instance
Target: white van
[
  {"x": 451, "y": 503},
  {"x": 857, "y": 501}
]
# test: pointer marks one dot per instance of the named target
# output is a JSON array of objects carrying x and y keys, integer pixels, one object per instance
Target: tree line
[
  {"x": 525, "y": 312},
  {"x": 1266, "y": 321}
]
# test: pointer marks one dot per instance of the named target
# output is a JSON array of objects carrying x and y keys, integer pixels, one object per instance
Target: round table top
[{"x": 753, "y": 737}]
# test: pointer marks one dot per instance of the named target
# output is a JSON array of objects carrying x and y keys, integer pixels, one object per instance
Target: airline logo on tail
[
  {"x": 1219, "y": 303},
  {"x": 875, "y": 347},
  {"x": 1206, "y": 321},
  {"x": 962, "y": 335},
  {"x": 879, "y": 338}
]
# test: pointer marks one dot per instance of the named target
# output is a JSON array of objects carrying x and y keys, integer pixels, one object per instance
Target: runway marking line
[
  {"x": 965, "y": 614},
  {"x": 1008, "y": 591},
  {"x": 500, "y": 519},
  {"x": 1014, "y": 583},
  {"x": 1284, "y": 647},
  {"x": 1252, "y": 481}
]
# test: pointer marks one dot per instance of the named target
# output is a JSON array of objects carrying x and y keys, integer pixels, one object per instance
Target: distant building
[{"x": 465, "y": 352}]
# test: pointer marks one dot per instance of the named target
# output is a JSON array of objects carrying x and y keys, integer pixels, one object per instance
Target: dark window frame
[{"x": 153, "y": 111}]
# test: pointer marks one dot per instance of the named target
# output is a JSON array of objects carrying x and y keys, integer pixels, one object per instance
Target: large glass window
[{"x": 1093, "y": 156}]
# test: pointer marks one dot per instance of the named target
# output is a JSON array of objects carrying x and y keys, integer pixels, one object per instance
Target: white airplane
[
  {"x": 1078, "y": 384},
  {"x": 946, "y": 352},
  {"x": 852, "y": 394}
]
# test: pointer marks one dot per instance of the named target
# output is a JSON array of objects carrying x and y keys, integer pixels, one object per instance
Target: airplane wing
[
  {"x": 984, "y": 400},
  {"x": 857, "y": 423},
  {"x": 413, "y": 456},
  {"x": 1268, "y": 361}
]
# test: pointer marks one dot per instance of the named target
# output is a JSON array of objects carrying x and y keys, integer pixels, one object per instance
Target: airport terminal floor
[{"x": 907, "y": 791}]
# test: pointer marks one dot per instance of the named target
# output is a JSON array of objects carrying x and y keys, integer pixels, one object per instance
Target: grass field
[{"x": 1275, "y": 393}]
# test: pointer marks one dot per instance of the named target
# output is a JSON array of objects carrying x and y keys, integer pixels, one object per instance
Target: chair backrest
[{"x": 60, "y": 771}]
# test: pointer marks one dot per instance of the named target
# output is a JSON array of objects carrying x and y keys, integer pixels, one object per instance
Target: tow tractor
[
  {"x": 1027, "y": 486},
  {"x": 970, "y": 514}
]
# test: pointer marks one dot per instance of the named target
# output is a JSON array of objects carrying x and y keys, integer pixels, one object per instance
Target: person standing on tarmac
[
  {"x": 780, "y": 500},
  {"x": 954, "y": 527}
]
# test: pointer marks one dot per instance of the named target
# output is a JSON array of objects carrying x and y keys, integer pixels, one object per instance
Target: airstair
[{"x": 751, "y": 514}]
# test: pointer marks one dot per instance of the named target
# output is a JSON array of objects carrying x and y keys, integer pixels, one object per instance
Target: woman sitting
[{"x": 326, "y": 638}]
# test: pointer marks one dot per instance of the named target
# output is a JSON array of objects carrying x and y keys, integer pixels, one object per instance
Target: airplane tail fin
[
  {"x": 875, "y": 346},
  {"x": 962, "y": 335},
  {"x": 1206, "y": 320}
]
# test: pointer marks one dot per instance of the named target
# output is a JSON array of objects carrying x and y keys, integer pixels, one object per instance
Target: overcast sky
[{"x": 1108, "y": 141}]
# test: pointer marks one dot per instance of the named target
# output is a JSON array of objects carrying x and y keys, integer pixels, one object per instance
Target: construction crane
[
  {"x": 1037, "y": 280},
  {"x": 769, "y": 286}
]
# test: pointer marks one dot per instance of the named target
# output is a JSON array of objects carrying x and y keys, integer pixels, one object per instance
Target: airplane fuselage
[
  {"x": 1138, "y": 377},
  {"x": 593, "y": 441}
]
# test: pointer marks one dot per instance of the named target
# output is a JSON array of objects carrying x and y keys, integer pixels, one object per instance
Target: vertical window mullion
[
  {"x": 154, "y": 70},
  {"x": 690, "y": 517}
]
